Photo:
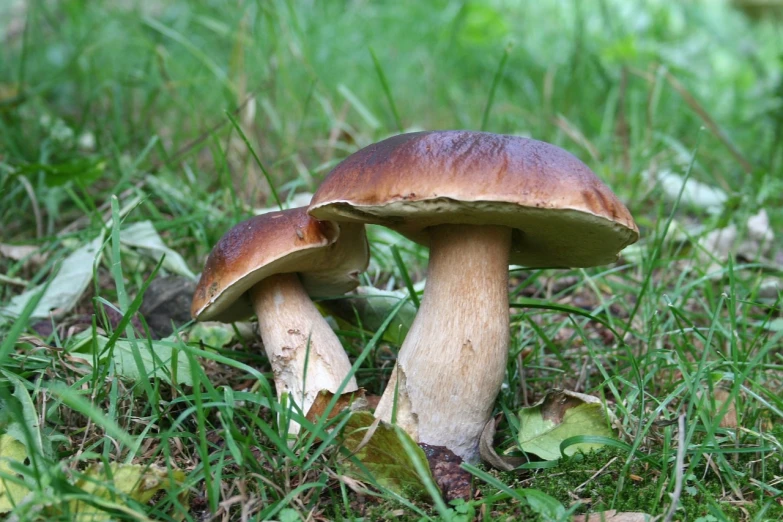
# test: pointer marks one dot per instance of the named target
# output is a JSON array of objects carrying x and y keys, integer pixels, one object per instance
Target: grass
[{"x": 193, "y": 115}]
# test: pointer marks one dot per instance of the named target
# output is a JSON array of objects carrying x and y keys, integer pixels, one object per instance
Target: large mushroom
[
  {"x": 480, "y": 201},
  {"x": 271, "y": 265}
]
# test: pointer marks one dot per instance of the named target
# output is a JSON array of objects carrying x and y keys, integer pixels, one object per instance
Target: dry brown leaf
[
  {"x": 354, "y": 400},
  {"x": 357, "y": 486},
  {"x": 20, "y": 252},
  {"x": 490, "y": 456},
  {"x": 729, "y": 420},
  {"x": 716, "y": 404}
]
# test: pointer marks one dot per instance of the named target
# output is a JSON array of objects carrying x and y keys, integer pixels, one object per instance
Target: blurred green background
[{"x": 625, "y": 85}]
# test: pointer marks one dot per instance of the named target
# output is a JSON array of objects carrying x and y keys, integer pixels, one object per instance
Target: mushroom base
[
  {"x": 452, "y": 363},
  {"x": 305, "y": 354}
]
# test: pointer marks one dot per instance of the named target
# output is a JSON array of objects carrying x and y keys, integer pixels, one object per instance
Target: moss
[{"x": 642, "y": 488}]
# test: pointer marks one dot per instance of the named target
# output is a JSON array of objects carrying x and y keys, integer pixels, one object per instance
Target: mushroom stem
[
  {"x": 304, "y": 352},
  {"x": 453, "y": 360}
]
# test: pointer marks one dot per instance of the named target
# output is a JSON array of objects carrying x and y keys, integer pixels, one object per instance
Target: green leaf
[
  {"x": 143, "y": 237},
  {"x": 83, "y": 170},
  {"x": 481, "y": 24},
  {"x": 211, "y": 334},
  {"x": 122, "y": 482},
  {"x": 561, "y": 415},
  {"x": 383, "y": 457},
  {"x": 30, "y": 418},
  {"x": 11, "y": 492},
  {"x": 156, "y": 357},
  {"x": 694, "y": 193},
  {"x": 548, "y": 507},
  {"x": 288, "y": 515}
]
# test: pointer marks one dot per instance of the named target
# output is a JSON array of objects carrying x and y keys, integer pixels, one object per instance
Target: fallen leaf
[
  {"x": 120, "y": 483},
  {"x": 613, "y": 516},
  {"x": 65, "y": 288},
  {"x": 143, "y": 237},
  {"x": 720, "y": 397},
  {"x": 22, "y": 252},
  {"x": 769, "y": 289},
  {"x": 354, "y": 400},
  {"x": 211, "y": 334},
  {"x": 694, "y": 193},
  {"x": 30, "y": 417},
  {"x": 717, "y": 246},
  {"x": 759, "y": 229},
  {"x": 11, "y": 493},
  {"x": 490, "y": 456},
  {"x": 560, "y": 415},
  {"x": 775, "y": 325},
  {"x": 156, "y": 357},
  {"x": 383, "y": 455},
  {"x": 288, "y": 515}
]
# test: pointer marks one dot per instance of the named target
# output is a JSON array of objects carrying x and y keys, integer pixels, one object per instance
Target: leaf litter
[
  {"x": 558, "y": 416},
  {"x": 374, "y": 451}
]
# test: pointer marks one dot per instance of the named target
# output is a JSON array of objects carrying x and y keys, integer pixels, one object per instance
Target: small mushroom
[
  {"x": 271, "y": 265},
  {"x": 480, "y": 201}
]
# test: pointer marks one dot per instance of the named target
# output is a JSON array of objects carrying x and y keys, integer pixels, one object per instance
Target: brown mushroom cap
[
  {"x": 327, "y": 256},
  {"x": 561, "y": 213}
]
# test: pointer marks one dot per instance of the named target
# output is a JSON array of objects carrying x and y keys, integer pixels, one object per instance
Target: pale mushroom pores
[{"x": 480, "y": 201}]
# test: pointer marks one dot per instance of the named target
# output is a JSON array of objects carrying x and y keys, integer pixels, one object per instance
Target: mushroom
[
  {"x": 272, "y": 264},
  {"x": 480, "y": 201}
]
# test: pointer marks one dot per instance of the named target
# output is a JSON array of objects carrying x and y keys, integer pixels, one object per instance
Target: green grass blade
[
  {"x": 494, "y": 87},
  {"x": 386, "y": 90},
  {"x": 256, "y": 158}
]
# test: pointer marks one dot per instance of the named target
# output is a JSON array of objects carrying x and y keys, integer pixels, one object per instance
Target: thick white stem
[
  {"x": 452, "y": 363},
  {"x": 304, "y": 352}
]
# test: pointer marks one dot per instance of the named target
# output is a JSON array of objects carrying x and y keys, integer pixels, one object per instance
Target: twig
[
  {"x": 586, "y": 482},
  {"x": 679, "y": 472}
]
